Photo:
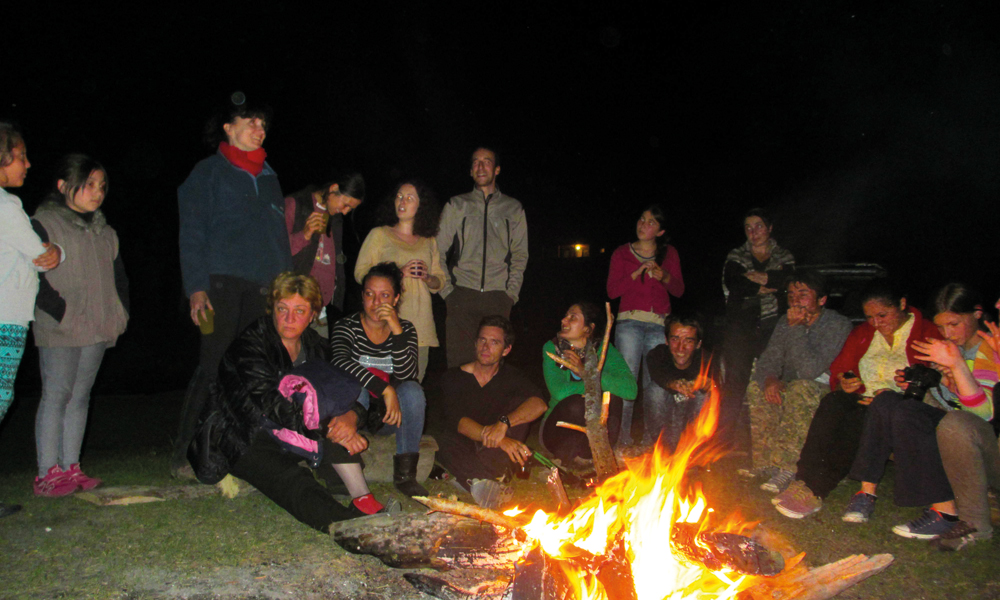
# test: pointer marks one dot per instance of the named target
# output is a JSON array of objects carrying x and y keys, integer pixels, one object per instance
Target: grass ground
[{"x": 249, "y": 548}]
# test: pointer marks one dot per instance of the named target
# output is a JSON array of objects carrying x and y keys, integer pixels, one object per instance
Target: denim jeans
[
  {"x": 67, "y": 376},
  {"x": 634, "y": 339},
  {"x": 412, "y": 404}
]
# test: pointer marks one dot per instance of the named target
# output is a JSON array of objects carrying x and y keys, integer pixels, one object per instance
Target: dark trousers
[
  {"x": 745, "y": 340},
  {"x": 832, "y": 442},
  {"x": 280, "y": 476},
  {"x": 907, "y": 429},
  {"x": 467, "y": 460},
  {"x": 237, "y": 303},
  {"x": 466, "y": 307},
  {"x": 567, "y": 444}
]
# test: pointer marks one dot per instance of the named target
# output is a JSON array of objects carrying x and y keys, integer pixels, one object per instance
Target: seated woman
[
  {"x": 581, "y": 332},
  {"x": 380, "y": 350},
  {"x": 865, "y": 367},
  {"x": 235, "y": 431},
  {"x": 896, "y": 425}
]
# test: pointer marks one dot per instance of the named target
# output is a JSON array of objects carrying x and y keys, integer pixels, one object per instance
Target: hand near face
[
  {"x": 575, "y": 362},
  {"x": 941, "y": 352},
  {"x": 316, "y": 223},
  {"x": 49, "y": 259},
  {"x": 387, "y": 314},
  {"x": 517, "y": 451},
  {"x": 796, "y": 315},
  {"x": 993, "y": 337},
  {"x": 393, "y": 416}
]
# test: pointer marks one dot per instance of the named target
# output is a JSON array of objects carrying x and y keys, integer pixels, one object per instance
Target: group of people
[{"x": 284, "y": 389}]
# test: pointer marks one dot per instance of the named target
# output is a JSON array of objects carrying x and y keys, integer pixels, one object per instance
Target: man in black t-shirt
[
  {"x": 684, "y": 371},
  {"x": 488, "y": 407}
]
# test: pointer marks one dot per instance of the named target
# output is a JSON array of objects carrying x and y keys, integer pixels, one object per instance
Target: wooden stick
[
  {"x": 560, "y": 361},
  {"x": 605, "y": 407},
  {"x": 558, "y": 491},
  {"x": 454, "y": 507},
  {"x": 607, "y": 337},
  {"x": 572, "y": 426}
]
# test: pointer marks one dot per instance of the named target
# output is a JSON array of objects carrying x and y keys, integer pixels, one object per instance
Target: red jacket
[
  {"x": 644, "y": 293},
  {"x": 861, "y": 338}
]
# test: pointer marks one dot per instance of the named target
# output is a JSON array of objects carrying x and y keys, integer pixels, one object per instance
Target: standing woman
[
  {"x": 72, "y": 334},
  {"x": 644, "y": 273},
  {"x": 752, "y": 275},
  {"x": 233, "y": 243},
  {"x": 22, "y": 254},
  {"x": 314, "y": 218},
  {"x": 379, "y": 349},
  {"x": 408, "y": 238}
]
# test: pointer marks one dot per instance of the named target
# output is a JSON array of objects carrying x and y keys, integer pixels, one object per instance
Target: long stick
[
  {"x": 572, "y": 426},
  {"x": 607, "y": 337},
  {"x": 558, "y": 491},
  {"x": 479, "y": 513}
]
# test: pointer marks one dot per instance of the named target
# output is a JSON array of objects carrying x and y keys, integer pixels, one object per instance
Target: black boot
[{"x": 404, "y": 474}]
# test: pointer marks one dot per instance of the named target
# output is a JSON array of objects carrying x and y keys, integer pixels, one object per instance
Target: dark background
[{"x": 870, "y": 131}]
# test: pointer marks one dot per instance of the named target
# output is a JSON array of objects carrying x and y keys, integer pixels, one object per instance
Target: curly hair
[
  {"x": 10, "y": 137},
  {"x": 428, "y": 217},
  {"x": 290, "y": 283}
]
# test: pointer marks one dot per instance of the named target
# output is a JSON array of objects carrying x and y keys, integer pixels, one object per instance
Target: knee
[
  {"x": 956, "y": 430},
  {"x": 411, "y": 397}
]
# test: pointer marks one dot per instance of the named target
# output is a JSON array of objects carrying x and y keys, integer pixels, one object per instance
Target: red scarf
[{"x": 251, "y": 162}]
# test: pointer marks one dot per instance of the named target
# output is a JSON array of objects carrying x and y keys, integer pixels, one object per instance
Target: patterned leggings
[{"x": 12, "y": 339}]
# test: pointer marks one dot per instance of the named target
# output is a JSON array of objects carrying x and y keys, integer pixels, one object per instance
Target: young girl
[
  {"x": 82, "y": 315},
  {"x": 22, "y": 253},
  {"x": 644, "y": 273},
  {"x": 410, "y": 218}
]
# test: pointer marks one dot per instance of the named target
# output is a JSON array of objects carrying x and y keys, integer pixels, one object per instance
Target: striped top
[
  {"x": 355, "y": 353},
  {"x": 982, "y": 364}
]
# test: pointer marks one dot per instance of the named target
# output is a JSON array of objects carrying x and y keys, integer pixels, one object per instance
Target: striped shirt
[{"x": 355, "y": 353}]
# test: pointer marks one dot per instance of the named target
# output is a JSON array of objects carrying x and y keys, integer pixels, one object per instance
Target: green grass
[{"x": 68, "y": 548}]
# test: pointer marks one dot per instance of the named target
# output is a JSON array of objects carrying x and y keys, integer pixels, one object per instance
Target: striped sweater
[
  {"x": 353, "y": 352},
  {"x": 982, "y": 363}
]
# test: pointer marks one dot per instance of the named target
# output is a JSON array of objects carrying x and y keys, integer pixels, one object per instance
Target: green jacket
[{"x": 616, "y": 378}]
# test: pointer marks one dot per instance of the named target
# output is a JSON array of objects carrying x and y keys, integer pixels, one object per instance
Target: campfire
[{"x": 646, "y": 532}]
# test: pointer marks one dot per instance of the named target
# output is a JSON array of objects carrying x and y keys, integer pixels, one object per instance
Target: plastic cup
[{"x": 206, "y": 321}]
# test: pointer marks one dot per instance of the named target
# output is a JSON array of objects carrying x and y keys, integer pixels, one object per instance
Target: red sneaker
[
  {"x": 77, "y": 476},
  {"x": 56, "y": 483}
]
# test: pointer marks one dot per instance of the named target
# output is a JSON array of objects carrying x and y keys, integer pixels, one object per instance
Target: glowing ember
[{"x": 636, "y": 511}]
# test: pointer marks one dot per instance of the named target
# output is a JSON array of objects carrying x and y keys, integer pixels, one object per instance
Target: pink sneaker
[
  {"x": 77, "y": 476},
  {"x": 56, "y": 483}
]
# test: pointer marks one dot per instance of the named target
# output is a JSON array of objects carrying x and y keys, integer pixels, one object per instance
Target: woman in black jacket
[{"x": 253, "y": 413}]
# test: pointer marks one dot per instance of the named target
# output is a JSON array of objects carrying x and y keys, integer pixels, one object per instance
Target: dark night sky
[{"x": 871, "y": 131}]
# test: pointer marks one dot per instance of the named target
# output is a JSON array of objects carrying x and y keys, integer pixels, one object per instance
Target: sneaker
[
  {"x": 798, "y": 501},
  {"x": 778, "y": 482},
  {"x": 961, "y": 534},
  {"x": 490, "y": 493},
  {"x": 77, "y": 476},
  {"x": 54, "y": 484},
  {"x": 860, "y": 508},
  {"x": 931, "y": 525}
]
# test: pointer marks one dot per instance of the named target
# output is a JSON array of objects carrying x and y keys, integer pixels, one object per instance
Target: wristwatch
[{"x": 503, "y": 419}]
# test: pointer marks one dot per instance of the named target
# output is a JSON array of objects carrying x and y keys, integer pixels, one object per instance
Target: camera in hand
[{"x": 918, "y": 380}]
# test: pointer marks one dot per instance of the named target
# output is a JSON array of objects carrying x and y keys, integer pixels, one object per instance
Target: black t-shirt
[
  {"x": 462, "y": 395},
  {"x": 663, "y": 372}
]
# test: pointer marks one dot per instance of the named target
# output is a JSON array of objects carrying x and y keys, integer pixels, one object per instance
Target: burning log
[
  {"x": 801, "y": 583},
  {"x": 434, "y": 541},
  {"x": 479, "y": 513},
  {"x": 719, "y": 550}
]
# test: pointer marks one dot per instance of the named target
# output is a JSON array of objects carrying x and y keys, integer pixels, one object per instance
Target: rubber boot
[{"x": 404, "y": 474}]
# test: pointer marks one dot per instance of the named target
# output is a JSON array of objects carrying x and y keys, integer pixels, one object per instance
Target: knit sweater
[
  {"x": 803, "y": 351},
  {"x": 355, "y": 353},
  {"x": 382, "y": 245},
  {"x": 981, "y": 361},
  {"x": 643, "y": 293},
  {"x": 742, "y": 297},
  {"x": 615, "y": 378}
]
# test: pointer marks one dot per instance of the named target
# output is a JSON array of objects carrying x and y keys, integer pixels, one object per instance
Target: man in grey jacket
[
  {"x": 792, "y": 376},
  {"x": 483, "y": 240}
]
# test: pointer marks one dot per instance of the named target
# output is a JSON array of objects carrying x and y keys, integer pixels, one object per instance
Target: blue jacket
[{"x": 231, "y": 223}]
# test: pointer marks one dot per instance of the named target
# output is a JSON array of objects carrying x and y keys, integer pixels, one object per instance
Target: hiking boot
[
  {"x": 798, "y": 501},
  {"x": 490, "y": 493},
  {"x": 961, "y": 534},
  {"x": 778, "y": 482},
  {"x": 860, "y": 508},
  {"x": 404, "y": 474},
  {"x": 54, "y": 484},
  {"x": 77, "y": 476},
  {"x": 929, "y": 526}
]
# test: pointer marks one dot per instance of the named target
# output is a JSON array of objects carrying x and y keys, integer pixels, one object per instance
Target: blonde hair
[{"x": 290, "y": 283}]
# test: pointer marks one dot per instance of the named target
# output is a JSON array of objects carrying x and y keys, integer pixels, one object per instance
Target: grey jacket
[
  {"x": 86, "y": 281},
  {"x": 496, "y": 265},
  {"x": 802, "y": 352}
]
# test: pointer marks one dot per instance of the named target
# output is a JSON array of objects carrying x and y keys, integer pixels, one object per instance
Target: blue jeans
[
  {"x": 67, "y": 376},
  {"x": 413, "y": 405},
  {"x": 634, "y": 339}
]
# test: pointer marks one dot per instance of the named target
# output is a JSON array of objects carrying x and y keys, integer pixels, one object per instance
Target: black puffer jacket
[{"x": 247, "y": 389}]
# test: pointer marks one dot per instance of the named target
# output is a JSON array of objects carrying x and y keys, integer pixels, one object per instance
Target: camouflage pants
[{"x": 779, "y": 431}]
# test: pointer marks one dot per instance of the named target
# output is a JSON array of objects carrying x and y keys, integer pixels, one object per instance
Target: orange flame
[{"x": 639, "y": 506}]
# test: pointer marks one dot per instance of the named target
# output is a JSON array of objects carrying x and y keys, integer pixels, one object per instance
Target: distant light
[{"x": 578, "y": 246}]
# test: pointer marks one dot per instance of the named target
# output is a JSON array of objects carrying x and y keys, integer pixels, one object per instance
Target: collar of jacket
[{"x": 58, "y": 207}]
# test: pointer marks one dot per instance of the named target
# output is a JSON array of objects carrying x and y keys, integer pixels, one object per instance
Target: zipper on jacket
[{"x": 486, "y": 213}]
